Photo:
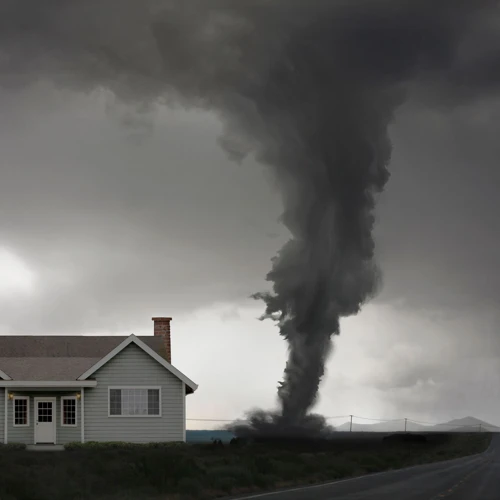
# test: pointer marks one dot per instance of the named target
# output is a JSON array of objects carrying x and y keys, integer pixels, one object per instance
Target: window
[
  {"x": 68, "y": 412},
  {"x": 21, "y": 411},
  {"x": 134, "y": 402}
]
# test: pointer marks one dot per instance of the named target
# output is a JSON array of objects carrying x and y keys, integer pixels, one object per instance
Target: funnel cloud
[{"x": 309, "y": 89}]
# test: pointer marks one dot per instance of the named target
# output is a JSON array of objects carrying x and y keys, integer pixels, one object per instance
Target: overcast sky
[{"x": 104, "y": 225}]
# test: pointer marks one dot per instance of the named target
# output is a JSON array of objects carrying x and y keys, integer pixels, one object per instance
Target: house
[{"x": 60, "y": 389}]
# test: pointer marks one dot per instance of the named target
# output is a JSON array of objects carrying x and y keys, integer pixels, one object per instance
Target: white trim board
[
  {"x": 183, "y": 395},
  {"x": 139, "y": 343},
  {"x": 82, "y": 410},
  {"x": 6, "y": 417},
  {"x": 4, "y": 376}
]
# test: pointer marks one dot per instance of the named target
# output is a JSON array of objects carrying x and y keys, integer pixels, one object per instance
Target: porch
[{"x": 44, "y": 415}]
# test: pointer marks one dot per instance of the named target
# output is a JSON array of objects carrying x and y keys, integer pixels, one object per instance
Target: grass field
[{"x": 113, "y": 471}]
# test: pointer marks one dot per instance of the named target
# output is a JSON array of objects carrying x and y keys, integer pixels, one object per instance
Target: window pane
[
  {"x": 20, "y": 412},
  {"x": 134, "y": 402},
  {"x": 153, "y": 402},
  {"x": 69, "y": 412},
  {"x": 115, "y": 402},
  {"x": 44, "y": 411}
]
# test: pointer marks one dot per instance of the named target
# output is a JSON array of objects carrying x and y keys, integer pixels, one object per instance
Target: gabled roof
[
  {"x": 31, "y": 368},
  {"x": 68, "y": 346},
  {"x": 190, "y": 385},
  {"x": 66, "y": 357}
]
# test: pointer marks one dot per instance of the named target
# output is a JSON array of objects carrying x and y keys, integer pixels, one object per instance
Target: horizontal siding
[
  {"x": 133, "y": 367},
  {"x": 2, "y": 414},
  {"x": 27, "y": 434}
]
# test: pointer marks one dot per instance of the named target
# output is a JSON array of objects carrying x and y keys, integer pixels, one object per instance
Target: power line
[
  {"x": 379, "y": 419},
  {"x": 215, "y": 420},
  {"x": 424, "y": 423},
  {"x": 245, "y": 420},
  {"x": 483, "y": 425}
]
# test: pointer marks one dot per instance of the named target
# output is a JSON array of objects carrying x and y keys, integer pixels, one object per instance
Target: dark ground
[
  {"x": 471, "y": 478},
  {"x": 114, "y": 471}
]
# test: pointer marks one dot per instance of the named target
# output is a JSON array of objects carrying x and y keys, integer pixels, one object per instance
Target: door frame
[{"x": 53, "y": 400}]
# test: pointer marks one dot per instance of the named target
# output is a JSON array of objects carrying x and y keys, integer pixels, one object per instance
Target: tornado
[{"x": 308, "y": 88}]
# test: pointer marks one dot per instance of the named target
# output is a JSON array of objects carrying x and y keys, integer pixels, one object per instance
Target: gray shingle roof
[
  {"x": 29, "y": 357},
  {"x": 46, "y": 368}
]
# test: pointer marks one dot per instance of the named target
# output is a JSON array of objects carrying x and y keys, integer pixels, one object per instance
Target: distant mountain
[
  {"x": 394, "y": 426},
  {"x": 467, "y": 424}
]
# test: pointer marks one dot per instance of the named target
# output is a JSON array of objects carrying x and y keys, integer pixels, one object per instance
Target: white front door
[{"x": 45, "y": 421}]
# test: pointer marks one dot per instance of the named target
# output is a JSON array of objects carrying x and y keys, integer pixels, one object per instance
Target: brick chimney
[{"x": 162, "y": 329}]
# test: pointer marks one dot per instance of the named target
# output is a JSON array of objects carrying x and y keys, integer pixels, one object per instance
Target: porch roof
[
  {"x": 45, "y": 369},
  {"x": 47, "y": 384}
]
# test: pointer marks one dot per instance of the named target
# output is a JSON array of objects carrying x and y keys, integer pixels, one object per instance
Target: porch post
[
  {"x": 6, "y": 415},
  {"x": 82, "y": 411}
]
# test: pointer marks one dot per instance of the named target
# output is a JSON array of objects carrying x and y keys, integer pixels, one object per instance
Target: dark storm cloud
[
  {"x": 114, "y": 235},
  {"x": 312, "y": 94},
  {"x": 437, "y": 236},
  {"x": 467, "y": 386},
  {"x": 426, "y": 364}
]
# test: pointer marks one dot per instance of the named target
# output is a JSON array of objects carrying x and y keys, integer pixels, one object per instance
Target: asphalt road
[{"x": 470, "y": 478}]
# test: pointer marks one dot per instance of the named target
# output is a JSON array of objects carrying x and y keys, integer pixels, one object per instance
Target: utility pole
[
  {"x": 350, "y": 427},
  {"x": 406, "y": 420}
]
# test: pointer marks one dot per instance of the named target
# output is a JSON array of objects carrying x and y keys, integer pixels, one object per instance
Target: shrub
[
  {"x": 190, "y": 487},
  {"x": 264, "y": 465},
  {"x": 240, "y": 474},
  {"x": 12, "y": 446},
  {"x": 73, "y": 446},
  {"x": 265, "y": 481},
  {"x": 288, "y": 471},
  {"x": 371, "y": 463},
  {"x": 160, "y": 469},
  {"x": 224, "y": 483},
  {"x": 340, "y": 469},
  {"x": 405, "y": 438},
  {"x": 123, "y": 445}
]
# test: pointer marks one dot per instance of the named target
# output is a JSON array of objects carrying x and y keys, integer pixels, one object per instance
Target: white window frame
[
  {"x": 75, "y": 399},
  {"x": 145, "y": 387},
  {"x": 27, "y": 399}
]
